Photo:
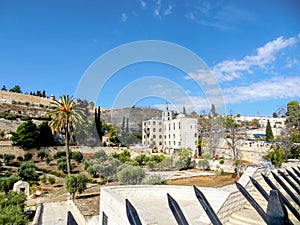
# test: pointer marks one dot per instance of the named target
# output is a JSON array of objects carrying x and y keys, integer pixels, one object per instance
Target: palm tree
[{"x": 66, "y": 116}]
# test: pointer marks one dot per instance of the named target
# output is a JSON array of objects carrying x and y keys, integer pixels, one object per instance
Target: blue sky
[{"x": 251, "y": 47}]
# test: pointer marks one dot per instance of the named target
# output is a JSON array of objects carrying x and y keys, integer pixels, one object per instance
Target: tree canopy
[
  {"x": 269, "y": 132},
  {"x": 26, "y": 136}
]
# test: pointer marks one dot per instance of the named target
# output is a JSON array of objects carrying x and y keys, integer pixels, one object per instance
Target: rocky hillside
[
  {"x": 135, "y": 115},
  {"x": 15, "y": 106}
]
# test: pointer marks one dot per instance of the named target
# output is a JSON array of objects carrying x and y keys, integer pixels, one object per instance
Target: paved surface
[{"x": 54, "y": 213}]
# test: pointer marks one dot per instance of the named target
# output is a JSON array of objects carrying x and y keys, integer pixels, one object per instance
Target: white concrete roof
[{"x": 151, "y": 201}]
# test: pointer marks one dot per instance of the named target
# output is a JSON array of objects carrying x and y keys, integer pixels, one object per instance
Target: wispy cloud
[
  {"x": 143, "y": 4},
  {"x": 203, "y": 76},
  {"x": 124, "y": 17},
  {"x": 275, "y": 88},
  {"x": 231, "y": 69},
  {"x": 290, "y": 62},
  {"x": 218, "y": 14},
  {"x": 157, "y": 8},
  {"x": 168, "y": 11}
]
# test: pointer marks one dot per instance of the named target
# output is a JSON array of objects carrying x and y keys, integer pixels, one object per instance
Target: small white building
[
  {"x": 170, "y": 132},
  {"x": 21, "y": 186}
]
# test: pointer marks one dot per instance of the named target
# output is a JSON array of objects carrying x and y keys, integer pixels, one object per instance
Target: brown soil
[{"x": 204, "y": 181}]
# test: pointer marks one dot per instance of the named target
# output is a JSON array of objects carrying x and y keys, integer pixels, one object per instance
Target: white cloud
[
  {"x": 275, "y": 88},
  {"x": 290, "y": 62},
  {"x": 231, "y": 69},
  {"x": 143, "y": 4},
  {"x": 124, "y": 17},
  {"x": 203, "y": 76},
  {"x": 168, "y": 11},
  {"x": 157, "y": 8},
  {"x": 190, "y": 16}
]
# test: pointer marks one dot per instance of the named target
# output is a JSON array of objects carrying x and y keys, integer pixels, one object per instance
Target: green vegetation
[
  {"x": 66, "y": 117},
  {"x": 131, "y": 175},
  {"x": 42, "y": 154},
  {"x": 269, "y": 132},
  {"x": 16, "y": 89},
  {"x": 27, "y": 171},
  {"x": 26, "y": 136},
  {"x": 77, "y": 156},
  {"x": 288, "y": 146},
  {"x": 204, "y": 164},
  {"x": 155, "y": 180},
  {"x": 12, "y": 208},
  {"x": 8, "y": 157},
  {"x": 7, "y": 183},
  {"x": 184, "y": 159},
  {"x": 75, "y": 184}
]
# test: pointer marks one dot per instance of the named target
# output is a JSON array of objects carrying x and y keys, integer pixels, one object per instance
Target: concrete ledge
[
  {"x": 37, "y": 215},
  {"x": 76, "y": 212}
]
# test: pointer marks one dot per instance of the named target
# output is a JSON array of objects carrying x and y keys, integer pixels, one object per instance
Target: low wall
[
  {"x": 5, "y": 148},
  {"x": 76, "y": 212},
  {"x": 236, "y": 201}
]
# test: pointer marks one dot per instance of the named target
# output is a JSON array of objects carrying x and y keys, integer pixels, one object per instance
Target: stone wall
[{"x": 7, "y": 148}]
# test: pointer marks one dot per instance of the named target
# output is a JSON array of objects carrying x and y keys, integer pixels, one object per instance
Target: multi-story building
[{"x": 170, "y": 132}]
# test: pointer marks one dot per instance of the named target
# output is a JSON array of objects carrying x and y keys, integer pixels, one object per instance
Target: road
[{"x": 54, "y": 213}]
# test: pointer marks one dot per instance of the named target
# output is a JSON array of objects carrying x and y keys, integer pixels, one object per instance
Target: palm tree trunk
[{"x": 67, "y": 150}]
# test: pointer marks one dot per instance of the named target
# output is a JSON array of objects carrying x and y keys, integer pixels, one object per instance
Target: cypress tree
[{"x": 269, "y": 132}]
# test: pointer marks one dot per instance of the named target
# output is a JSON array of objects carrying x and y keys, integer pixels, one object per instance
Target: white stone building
[{"x": 170, "y": 133}]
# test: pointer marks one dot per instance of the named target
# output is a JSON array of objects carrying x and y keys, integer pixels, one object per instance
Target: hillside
[{"x": 15, "y": 106}]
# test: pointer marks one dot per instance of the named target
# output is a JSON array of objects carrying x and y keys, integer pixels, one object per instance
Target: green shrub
[
  {"x": 44, "y": 178},
  {"x": 28, "y": 156},
  {"x": 221, "y": 161},
  {"x": 59, "y": 154},
  {"x": 51, "y": 180},
  {"x": 222, "y": 171},
  {"x": 75, "y": 184},
  {"x": 207, "y": 156},
  {"x": 101, "y": 155},
  {"x": 27, "y": 171},
  {"x": 8, "y": 157},
  {"x": 155, "y": 180},
  {"x": 203, "y": 164},
  {"x": 131, "y": 175},
  {"x": 77, "y": 156}
]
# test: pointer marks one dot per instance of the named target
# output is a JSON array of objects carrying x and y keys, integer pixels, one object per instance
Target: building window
[
  {"x": 159, "y": 130},
  {"x": 191, "y": 126},
  {"x": 179, "y": 143},
  {"x": 154, "y": 129},
  {"x": 104, "y": 219},
  {"x": 165, "y": 136},
  {"x": 169, "y": 126},
  {"x": 173, "y": 135},
  {"x": 153, "y": 122},
  {"x": 159, "y": 123},
  {"x": 195, "y": 134},
  {"x": 169, "y": 135},
  {"x": 169, "y": 142},
  {"x": 154, "y": 136},
  {"x": 179, "y": 125},
  {"x": 174, "y": 143},
  {"x": 173, "y": 126},
  {"x": 160, "y": 137}
]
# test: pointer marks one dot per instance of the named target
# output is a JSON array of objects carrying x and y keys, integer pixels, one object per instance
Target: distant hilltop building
[{"x": 171, "y": 132}]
